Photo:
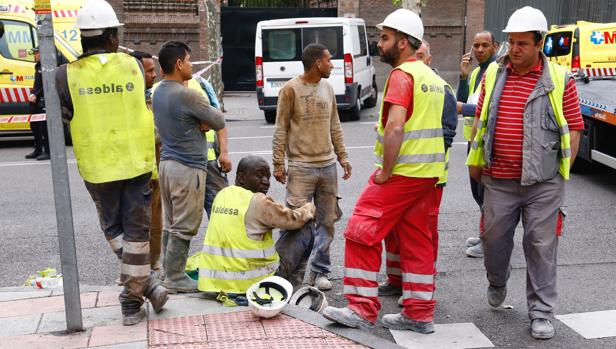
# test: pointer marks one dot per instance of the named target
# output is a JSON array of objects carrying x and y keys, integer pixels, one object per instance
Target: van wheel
[
  {"x": 374, "y": 93},
  {"x": 68, "y": 139},
  {"x": 354, "y": 113},
  {"x": 270, "y": 116}
]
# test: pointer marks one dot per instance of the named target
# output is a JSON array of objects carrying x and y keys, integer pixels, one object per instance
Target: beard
[{"x": 390, "y": 56}]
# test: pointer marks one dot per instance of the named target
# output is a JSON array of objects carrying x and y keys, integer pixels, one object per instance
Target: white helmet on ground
[
  {"x": 527, "y": 19},
  {"x": 95, "y": 16},
  {"x": 267, "y": 297},
  {"x": 404, "y": 21},
  {"x": 310, "y": 298}
]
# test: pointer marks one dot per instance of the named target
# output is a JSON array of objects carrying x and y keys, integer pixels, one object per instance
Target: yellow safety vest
[
  {"x": 112, "y": 130},
  {"x": 422, "y": 153},
  {"x": 442, "y": 180},
  {"x": 231, "y": 261},
  {"x": 469, "y": 119},
  {"x": 210, "y": 136},
  {"x": 558, "y": 75}
]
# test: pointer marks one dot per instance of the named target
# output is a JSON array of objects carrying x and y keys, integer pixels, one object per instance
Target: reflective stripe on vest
[
  {"x": 231, "y": 261},
  {"x": 112, "y": 130},
  {"x": 422, "y": 153},
  {"x": 558, "y": 75}
]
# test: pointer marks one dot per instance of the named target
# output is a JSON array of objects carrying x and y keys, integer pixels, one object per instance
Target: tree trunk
[
  {"x": 413, "y": 5},
  {"x": 214, "y": 47}
]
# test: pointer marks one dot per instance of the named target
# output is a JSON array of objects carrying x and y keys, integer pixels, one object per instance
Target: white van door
[{"x": 362, "y": 62}]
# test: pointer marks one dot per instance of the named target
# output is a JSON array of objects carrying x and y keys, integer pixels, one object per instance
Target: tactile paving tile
[
  {"x": 237, "y": 326},
  {"x": 183, "y": 346},
  {"x": 342, "y": 343},
  {"x": 189, "y": 329},
  {"x": 298, "y": 343},
  {"x": 249, "y": 344},
  {"x": 283, "y": 326}
]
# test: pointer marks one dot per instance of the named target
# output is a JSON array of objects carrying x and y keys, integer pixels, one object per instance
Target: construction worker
[
  {"x": 309, "y": 134},
  {"x": 522, "y": 151},
  {"x": 484, "y": 49},
  {"x": 416, "y": 127},
  {"x": 238, "y": 249},
  {"x": 393, "y": 285},
  {"x": 113, "y": 140},
  {"x": 181, "y": 115},
  {"x": 156, "y": 225}
]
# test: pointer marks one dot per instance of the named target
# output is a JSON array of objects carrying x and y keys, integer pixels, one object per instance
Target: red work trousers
[
  {"x": 400, "y": 207},
  {"x": 392, "y": 245}
]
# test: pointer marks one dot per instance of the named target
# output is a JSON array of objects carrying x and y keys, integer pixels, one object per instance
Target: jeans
[{"x": 318, "y": 184}]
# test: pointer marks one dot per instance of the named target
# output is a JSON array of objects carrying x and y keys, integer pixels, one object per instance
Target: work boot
[
  {"x": 401, "y": 322},
  {"x": 156, "y": 294},
  {"x": 347, "y": 317},
  {"x": 43, "y": 156},
  {"x": 34, "y": 154},
  {"x": 472, "y": 241},
  {"x": 541, "y": 329},
  {"x": 496, "y": 295},
  {"x": 132, "y": 313},
  {"x": 176, "y": 279},
  {"x": 322, "y": 283},
  {"x": 475, "y": 251},
  {"x": 387, "y": 289}
]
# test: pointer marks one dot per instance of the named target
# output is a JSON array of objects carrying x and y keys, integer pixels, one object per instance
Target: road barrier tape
[
  {"x": 11, "y": 119},
  {"x": 65, "y": 13},
  {"x": 600, "y": 72},
  {"x": 199, "y": 73},
  {"x": 14, "y": 94}
]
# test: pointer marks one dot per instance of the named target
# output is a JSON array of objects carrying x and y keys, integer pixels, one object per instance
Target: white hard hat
[
  {"x": 527, "y": 19},
  {"x": 95, "y": 16},
  {"x": 405, "y": 21},
  {"x": 267, "y": 297},
  {"x": 310, "y": 298}
]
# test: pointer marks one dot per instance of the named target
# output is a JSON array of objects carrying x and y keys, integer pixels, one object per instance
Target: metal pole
[{"x": 59, "y": 173}]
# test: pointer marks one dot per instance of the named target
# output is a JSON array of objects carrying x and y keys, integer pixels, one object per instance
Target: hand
[
  {"x": 225, "y": 163},
  {"x": 204, "y": 127},
  {"x": 347, "y": 170},
  {"x": 475, "y": 173},
  {"x": 281, "y": 176},
  {"x": 459, "y": 107},
  {"x": 32, "y": 99},
  {"x": 465, "y": 65},
  {"x": 381, "y": 177}
]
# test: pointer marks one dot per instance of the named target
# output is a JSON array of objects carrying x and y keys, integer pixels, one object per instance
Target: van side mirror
[{"x": 373, "y": 49}]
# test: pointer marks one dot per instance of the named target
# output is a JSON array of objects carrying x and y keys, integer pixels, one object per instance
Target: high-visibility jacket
[
  {"x": 210, "y": 136},
  {"x": 469, "y": 119},
  {"x": 231, "y": 261},
  {"x": 112, "y": 130},
  {"x": 480, "y": 155},
  {"x": 422, "y": 153}
]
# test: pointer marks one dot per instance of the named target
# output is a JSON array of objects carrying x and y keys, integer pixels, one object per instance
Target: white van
[{"x": 278, "y": 48}]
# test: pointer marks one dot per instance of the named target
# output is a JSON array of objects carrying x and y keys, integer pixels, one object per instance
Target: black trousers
[{"x": 41, "y": 138}]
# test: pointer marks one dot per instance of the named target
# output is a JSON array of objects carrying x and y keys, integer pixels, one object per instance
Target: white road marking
[
  {"x": 595, "y": 324},
  {"x": 271, "y": 126},
  {"x": 251, "y": 137},
  {"x": 32, "y": 163},
  {"x": 450, "y": 336}
]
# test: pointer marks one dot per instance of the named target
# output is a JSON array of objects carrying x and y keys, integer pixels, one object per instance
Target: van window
[
  {"x": 17, "y": 40},
  {"x": 330, "y": 37},
  {"x": 362, "y": 41},
  {"x": 557, "y": 44},
  {"x": 282, "y": 45}
]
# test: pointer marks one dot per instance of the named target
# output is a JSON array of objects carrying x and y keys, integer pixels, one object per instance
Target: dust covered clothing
[{"x": 308, "y": 132}]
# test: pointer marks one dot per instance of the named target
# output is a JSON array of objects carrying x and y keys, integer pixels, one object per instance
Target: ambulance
[
  {"x": 17, "y": 39},
  {"x": 586, "y": 46}
]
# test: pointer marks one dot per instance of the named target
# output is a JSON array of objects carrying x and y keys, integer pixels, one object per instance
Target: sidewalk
[{"x": 33, "y": 318}]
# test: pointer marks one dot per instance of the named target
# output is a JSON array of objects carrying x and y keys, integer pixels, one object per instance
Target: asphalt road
[{"x": 587, "y": 262}]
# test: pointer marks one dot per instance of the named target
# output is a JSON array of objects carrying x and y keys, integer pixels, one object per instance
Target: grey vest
[{"x": 541, "y": 146}]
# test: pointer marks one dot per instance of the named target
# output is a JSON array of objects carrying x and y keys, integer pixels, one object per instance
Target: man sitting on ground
[{"x": 238, "y": 249}]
